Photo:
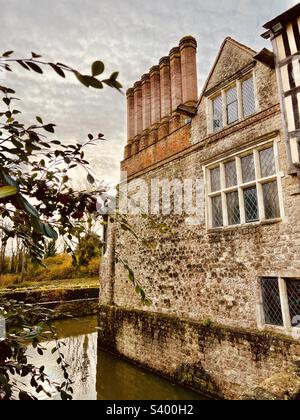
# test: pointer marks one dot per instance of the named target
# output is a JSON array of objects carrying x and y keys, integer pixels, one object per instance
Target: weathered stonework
[
  {"x": 207, "y": 358},
  {"x": 204, "y": 327}
]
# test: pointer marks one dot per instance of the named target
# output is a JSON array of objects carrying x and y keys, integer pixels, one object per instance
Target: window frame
[
  {"x": 284, "y": 302},
  {"x": 241, "y": 186},
  {"x": 223, "y": 93}
]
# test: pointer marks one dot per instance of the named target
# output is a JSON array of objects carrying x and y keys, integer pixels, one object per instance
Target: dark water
[{"x": 99, "y": 375}]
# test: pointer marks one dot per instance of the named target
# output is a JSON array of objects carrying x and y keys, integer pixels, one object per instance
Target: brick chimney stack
[
  {"x": 155, "y": 103},
  {"x": 146, "y": 94},
  {"x": 138, "y": 115},
  {"x": 155, "y": 95},
  {"x": 176, "y": 84},
  {"x": 165, "y": 87},
  {"x": 188, "y": 51},
  {"x": 130, "y": 115}
]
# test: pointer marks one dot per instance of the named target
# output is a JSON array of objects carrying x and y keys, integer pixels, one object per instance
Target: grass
[
  {"x": 53, "y": 284},
  {"x": 58, "y": 272}
]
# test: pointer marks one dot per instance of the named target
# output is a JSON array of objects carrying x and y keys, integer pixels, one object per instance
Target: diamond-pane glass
[
  {"x": 248, "y": 97},
  {"x": 230, "y": 174},
  {"x": 271, "y": 302},
  {"x": 215, "y": 179},
  {"x": 267, "y": 162},
  {"x": 232, "y": 105},
  {"x": 248, "y": 169},
  {"x": 271, "y": 201},
  {"x": 217, "y": 214},
  {"x": 251, "y": 205},
  {"x": 293, "y": 289},
  {"x": 217, "y": 114},
  {"x": 233, "y": 208}
]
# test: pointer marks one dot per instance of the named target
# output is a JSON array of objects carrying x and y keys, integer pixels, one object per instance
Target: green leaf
[
  {"x": 90, "y": 179},
  {"x": 50, "y": 232},
  {"x": 85, "y": 80},
  {"x": 95, "y": 83},
  {"x": 7, "y": 191},
  {"x": 49, "y": 128},
  {"x": 58, "y": 70},
  {"x": 24, "y": 65},
  {"x": 114, "y": 75},
  {"x": 34, "y": 67},
  {"x": 97, "y": 68},
  {"x": 7, "y": 53},
  {"x": 39, "y": 119},
  {"x": 34, "y": 55},
  {"x": 28, "y": 207}
]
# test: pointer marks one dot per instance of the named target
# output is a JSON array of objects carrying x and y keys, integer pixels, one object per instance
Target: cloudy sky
[{"x": 129, "y": 36}]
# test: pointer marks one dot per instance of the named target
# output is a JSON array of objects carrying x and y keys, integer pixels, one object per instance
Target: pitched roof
[
  {"x": 285, "y": 17},
  {"x": 227, "y": 40}
]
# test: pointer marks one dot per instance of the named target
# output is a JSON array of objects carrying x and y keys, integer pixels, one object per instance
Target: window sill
[
  {"x": 244, "y": 226},
  {"x": 290, "y": 332}
]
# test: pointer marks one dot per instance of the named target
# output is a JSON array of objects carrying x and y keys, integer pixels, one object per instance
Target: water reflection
[{"x": 101, "y": 376}]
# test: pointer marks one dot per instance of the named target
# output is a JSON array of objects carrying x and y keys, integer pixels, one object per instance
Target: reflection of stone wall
[{"x": 220, "y": 361}]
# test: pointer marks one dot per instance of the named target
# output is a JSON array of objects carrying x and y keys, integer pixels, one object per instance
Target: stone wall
[
  {"x": 76, "y": 302},
  {"x": 206, "y": 275},
  {"x": 218, "y": 361}
]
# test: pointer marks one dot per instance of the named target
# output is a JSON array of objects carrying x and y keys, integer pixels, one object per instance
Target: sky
[{"x": 129, "y": 36}]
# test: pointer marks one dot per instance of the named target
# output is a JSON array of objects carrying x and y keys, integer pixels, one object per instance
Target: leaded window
[
  {"x": 216, "y": 203},
  {"x": 248, "y": 168},
  {"x": 244, "y": 189},
  {"x": 233, "y": 207},
  {"x": 271, "y": 302},
  {"x": 281, "y": 302},
  {"x": 217, "y": 113},
  {"x": 251, "y": 204},
  {"x": 233, "y": 103},
  {"x": 230, "y": 174},
  {"x": 248, "y": 95},
  {"x": 267, "y": 162},
  {"x": 271, "y": 200}
]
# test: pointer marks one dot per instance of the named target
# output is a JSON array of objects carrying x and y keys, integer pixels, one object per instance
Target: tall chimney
[
  {"x": 188, "y": 50},
  {"x": 155, "y": 95},
  {"x": 146, "y": 94},
  {"x": 138, "y": 117},
  {"x": 165, "y": 87},
  {"x": 175, "y": 70},
  {"x": 130, "y": 115}
]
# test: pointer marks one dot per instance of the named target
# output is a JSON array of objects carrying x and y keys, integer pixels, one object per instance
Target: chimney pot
[
  {"x": 145, "y": 78},
  {"x": 174, "y": 53},
  {"x": 129, "y": 92},
  {"x": 164, "y": 61},
  {"x": 188, "y": 41},
  {"x": 137, "y": 85}
]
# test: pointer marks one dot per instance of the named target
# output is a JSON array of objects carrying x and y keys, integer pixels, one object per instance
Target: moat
[{"x": 98, "y": 375}]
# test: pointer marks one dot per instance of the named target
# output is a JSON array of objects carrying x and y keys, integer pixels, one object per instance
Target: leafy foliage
[
  {"x": 36, "y": 200},
  {"x": 29, "y": 325}
]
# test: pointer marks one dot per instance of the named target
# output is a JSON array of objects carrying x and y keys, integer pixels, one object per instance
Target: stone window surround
[
  {"x": 278, "y": 176},
  {"x": 287, "y": 327},
  {"x": 222, "y": 91}
]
